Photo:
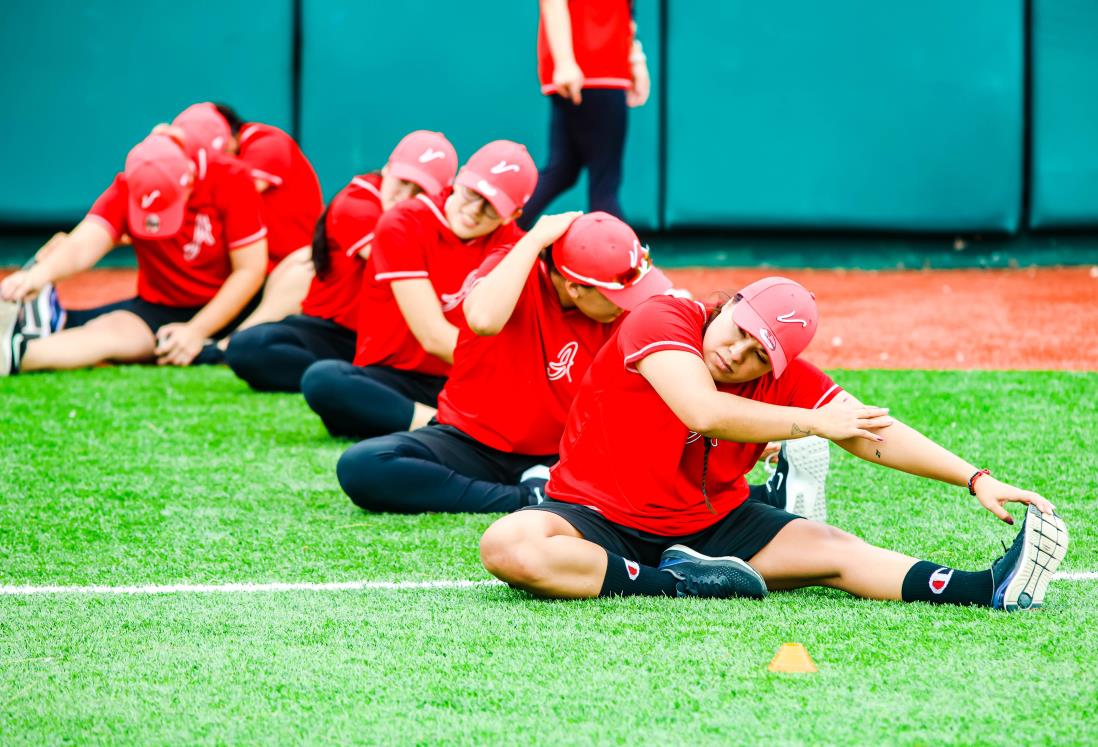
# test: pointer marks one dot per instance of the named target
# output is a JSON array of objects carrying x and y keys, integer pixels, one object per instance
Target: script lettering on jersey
[
  {"x": 561, "y": 368},
  {"x": 692, "y": 436},
  {"x": 451, "y": 301},
  {"x": 203, "y": 236}
]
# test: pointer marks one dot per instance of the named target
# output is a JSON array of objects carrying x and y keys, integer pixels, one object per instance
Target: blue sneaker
[
  {"x": 1021, "y": 575},
  {"x": 702, "y": 576}
]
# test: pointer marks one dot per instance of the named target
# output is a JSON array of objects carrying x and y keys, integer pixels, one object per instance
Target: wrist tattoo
[{"x": 798, "y": 431}]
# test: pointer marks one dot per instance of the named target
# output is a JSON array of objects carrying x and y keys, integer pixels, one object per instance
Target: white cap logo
[
  {"x": 431, "y": 155},
  {"x": 503, "y": 167},
  {"x": 218, "y": 142},
  {"x": 149, "y": 199},
  {"x": 767, "y": 338},
  {"x": 486, "y": 189},
  {"x": 790, "y": 319}
]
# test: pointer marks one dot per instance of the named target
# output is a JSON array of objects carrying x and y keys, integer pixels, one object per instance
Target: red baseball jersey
[
  {"x": 293, "y": 201},
  {"x": 512, "y": 390},
  {"x": 414, "y": 240},
  {"x": 223, "y": 213},
  {"x": 627, "y": 455},
  {"x": 335, "y": 296},
  {"x": 602, "y": 38}
]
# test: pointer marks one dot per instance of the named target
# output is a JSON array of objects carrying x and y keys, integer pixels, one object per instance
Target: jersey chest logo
[
  {"x": 203, "y": 236},
  {"x": 451, "y": 301},
  {"x": 561, "y": 368}
]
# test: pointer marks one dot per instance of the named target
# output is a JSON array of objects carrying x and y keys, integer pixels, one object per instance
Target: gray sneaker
[
  {"x": 1022, "y": 574},
  {"x": 702, "y": 576}
]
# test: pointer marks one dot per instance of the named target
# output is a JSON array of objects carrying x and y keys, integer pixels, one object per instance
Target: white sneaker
[
  {"x": 800, "y": 477},
  {"x": 9, "y": 319},
  {"x": 535, "y": 480}
]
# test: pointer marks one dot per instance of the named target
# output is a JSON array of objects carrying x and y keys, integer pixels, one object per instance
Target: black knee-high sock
[
  {"x": 930, "y": 582},
  {"x": 628, "y": 578}
]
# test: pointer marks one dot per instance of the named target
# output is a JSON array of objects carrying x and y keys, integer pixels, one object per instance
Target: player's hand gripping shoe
[
  {"x": 799, "y": 477},
  {"x": 1022, "y": 574},
  {"x": 702, "y": 576}
]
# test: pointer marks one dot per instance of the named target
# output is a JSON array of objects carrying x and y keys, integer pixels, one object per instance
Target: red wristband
[{"x": 976, "y": 476}]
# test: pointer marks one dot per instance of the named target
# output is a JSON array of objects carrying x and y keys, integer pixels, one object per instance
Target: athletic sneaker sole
[
  {"x": 1044, "y": 546},
  {"x": 809, "y": 459},
  {"x": 740, "y": 576},
  {"x": 9, "y": 316}
]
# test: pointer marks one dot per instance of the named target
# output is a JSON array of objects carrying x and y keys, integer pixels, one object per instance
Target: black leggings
[
  {"x": 590, "y": 135},
  {"x": 367, "y": 401},
  {"x": 273, "y": 357},
  {"x": 436, "y": 468}
]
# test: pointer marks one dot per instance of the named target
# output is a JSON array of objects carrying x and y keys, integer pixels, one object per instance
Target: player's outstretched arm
[
  {"x": 489, "y": 306},
  {"x": 685, "y": 384},
  {"x": 64, "y": 255},
  {"x": 908, "y": 450}
]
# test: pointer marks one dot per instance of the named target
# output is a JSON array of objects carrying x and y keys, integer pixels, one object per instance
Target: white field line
[{"x": 253, "y": 588}]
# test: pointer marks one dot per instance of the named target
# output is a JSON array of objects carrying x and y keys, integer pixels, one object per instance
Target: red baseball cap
[
  {"x": 602, "y": 251},
  {"x": 158, "y": 174},
  {"x": 203, "y": 128},
  {"x": 781, "y": 314},
  {"x": 425, "y": 158},
  {"x": 503, "y": 172}
]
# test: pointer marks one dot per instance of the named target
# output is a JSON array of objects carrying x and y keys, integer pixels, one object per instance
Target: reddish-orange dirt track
[{"x": 1031, "y": 319}]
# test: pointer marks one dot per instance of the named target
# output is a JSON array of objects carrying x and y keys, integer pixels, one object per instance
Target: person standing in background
[{"x": 593, "y": 67}]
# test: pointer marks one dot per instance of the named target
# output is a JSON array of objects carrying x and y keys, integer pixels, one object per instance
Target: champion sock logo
[
  {"x": 632, "y": 568},
  {"x": 939, "y": 580}
]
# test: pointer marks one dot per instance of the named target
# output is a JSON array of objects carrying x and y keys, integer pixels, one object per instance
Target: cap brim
[
  {"x": 499, "y": 200},
  {"x": 654, "y": 283},
  {"x": 411, "y": 173},
  {"x": 170, "y": 219},
  {"x": 748, "y": 319}
]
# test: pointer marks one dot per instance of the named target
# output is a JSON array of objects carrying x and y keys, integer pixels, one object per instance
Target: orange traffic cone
[{"x": 792, "y": 657}]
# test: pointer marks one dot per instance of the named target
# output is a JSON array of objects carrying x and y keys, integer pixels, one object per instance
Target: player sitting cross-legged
[
  {"x": 273, "y": 356},
  {"x": 650, "y": 484},
  {"x": 537, "y": 314},
  {"x": 201, "y": 249},
  {"x": 425, "y": 253}
]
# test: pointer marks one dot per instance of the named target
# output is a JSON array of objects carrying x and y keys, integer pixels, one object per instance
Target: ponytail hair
[{"x": 322, "y": 259}]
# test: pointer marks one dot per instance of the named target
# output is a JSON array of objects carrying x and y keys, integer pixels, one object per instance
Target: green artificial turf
[{"x": 150, "y": 476}]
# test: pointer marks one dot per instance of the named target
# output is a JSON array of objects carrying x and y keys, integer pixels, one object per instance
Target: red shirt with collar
[
  {"x": 602, "y": 38},
  {"x": 512, "y": 390},
  {"x": 292, "y": 202},
  {"x": 223, "y": 213},
  {"x": 626, "y": 454},
  {"x": 349, "y": 231},
  {"x": 413, "y": 240}
]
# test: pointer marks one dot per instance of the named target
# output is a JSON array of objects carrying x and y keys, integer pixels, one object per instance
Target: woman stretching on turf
[
  {"x": 674, "y": 411},
  {"x": 423, "y": 261},
  {"x": 272, "y": 357}
]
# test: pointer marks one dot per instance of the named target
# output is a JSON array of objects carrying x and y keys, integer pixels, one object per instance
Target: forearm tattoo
[{"x": 798, "y": 431}]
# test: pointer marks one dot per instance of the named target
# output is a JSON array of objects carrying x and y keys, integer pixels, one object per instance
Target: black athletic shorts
[
  {"x": 465, "y": 455},
  {"x": 746, "y": 530},
  {"x": 156, "y": 315}
]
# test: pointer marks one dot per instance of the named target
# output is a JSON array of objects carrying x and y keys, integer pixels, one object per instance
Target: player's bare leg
[
  {"x": 283, "y": 292},
  {"x": 119, "y": 336},
  {"x": 808, "y": 553},
  {"x": 543, "y": 554}
]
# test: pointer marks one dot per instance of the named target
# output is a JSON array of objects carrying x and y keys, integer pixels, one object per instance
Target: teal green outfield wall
[
  {"x": 791, "y": 114},
  {"x": 81, "y": 82},
  {"x": 854, "y": 114},
  {"x": 371, "y": 72},
  {"x": 1064, "y": 166}
]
